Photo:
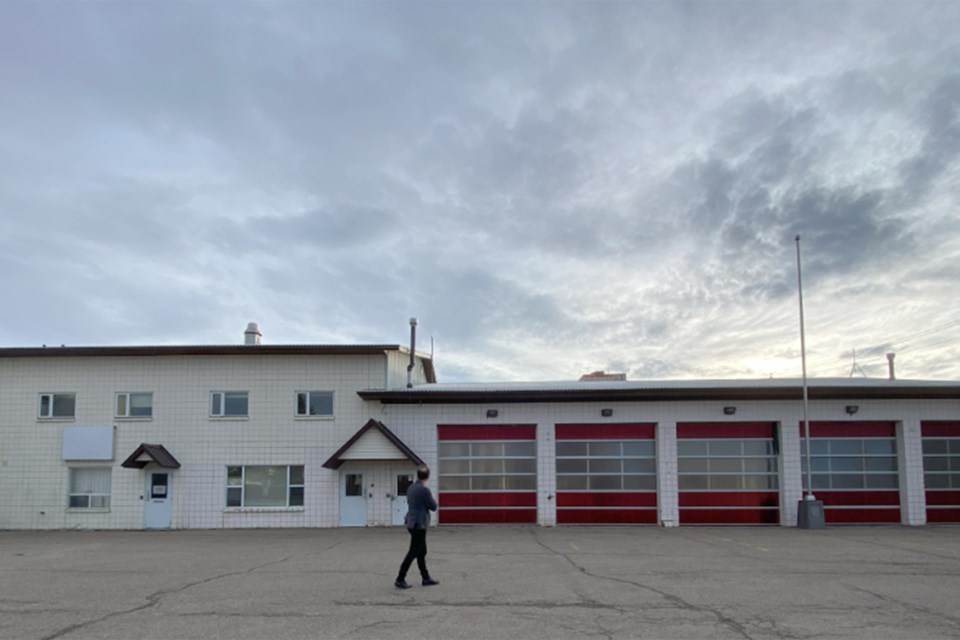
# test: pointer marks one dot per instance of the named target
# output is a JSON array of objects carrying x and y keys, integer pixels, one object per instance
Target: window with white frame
[
  {"x": 228, "y": 403},
  {"x": 58, "y": 405},
  {"x": 89, "y": 488},
  {"x": 314, "y": 403},
  {"x": 265, "y": 486},
  {"x": 134, "y": 405}
]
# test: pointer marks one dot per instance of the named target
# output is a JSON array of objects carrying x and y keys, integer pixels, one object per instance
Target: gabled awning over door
[
  {"x": 151, "y": 453},
  {"x": 374, "y": 441}
]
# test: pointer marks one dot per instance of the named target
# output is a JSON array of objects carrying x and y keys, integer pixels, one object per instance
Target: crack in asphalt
[
  {"x": 952, "y": 621},
  {"x": 677, "y": 601},
  {"x": 156, "y": 598}
]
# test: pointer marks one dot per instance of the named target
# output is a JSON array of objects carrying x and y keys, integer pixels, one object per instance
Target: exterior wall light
[
  {"x": 729, "y": 411},
  {"x": 492, "y": 413},
  {"x": 606, "y": 413},
  {"x": 851, "y": 409}
]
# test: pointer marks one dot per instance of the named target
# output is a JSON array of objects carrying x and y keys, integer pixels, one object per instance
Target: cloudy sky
[{"x": 552, "y": 188}]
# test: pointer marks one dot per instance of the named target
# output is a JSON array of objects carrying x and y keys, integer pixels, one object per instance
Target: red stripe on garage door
[
  {"x": 730, "y": 516},
  {"x": 488, "y": 516},
  {"x": 725, "y": 429},
  {"x": 483, "y": 432},
  {"x": 940, "y": 428},
  {"x": 860, "y": 507},
  {"x": 637, "y": 431},
  {"x": 851, "y": 429},
  {"x": 754, "y": 499},
  {"x": 607, "y": 516},
  {"x": 636, "y": 499},
  {"x": 517, "y": 499}
]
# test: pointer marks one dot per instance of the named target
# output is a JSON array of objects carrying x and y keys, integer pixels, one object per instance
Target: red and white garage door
[
  {"x": 854, "y": 471},
  {"x": 606, "y": 474},
  {"x": 487, "y": 474},
  {"x": 728, "y": 473},
  {"x": 941, "y": 470}
]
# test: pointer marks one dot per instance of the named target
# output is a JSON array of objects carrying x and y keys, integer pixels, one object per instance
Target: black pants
[{"x": 418, "y": 550}]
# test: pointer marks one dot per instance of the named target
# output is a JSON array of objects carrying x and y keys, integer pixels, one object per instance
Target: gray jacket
[{"x": 420, "y": 503}]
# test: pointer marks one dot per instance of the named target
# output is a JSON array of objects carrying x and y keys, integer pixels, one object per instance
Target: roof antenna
[{"x": 856, "y": 367}]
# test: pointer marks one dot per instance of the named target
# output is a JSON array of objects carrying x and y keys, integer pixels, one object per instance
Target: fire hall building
[{"x": 260, "y": 435}]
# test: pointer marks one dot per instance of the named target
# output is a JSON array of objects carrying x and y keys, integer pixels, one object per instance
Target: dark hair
[{"x": 423, "y": 472}]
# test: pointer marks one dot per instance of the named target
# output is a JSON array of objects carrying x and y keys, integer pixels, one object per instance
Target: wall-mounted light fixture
[
  {"x": 492, "y": 413},
  {"x": 729, "y": 411},
  {"x": 606, "y": 413},
  {"x": 851, "y": 409}
]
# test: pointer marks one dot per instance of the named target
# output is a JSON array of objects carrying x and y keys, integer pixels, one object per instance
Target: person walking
[{"x": 420, "y": 503}]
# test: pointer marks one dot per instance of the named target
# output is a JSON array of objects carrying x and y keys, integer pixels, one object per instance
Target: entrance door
[
  {"x": 353, "y": 500},
  {"x": 401, "y": 482},
  {"x": 158, "y": 501}
]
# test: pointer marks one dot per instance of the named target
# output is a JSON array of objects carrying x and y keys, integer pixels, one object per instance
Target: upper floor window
[
  {"x": 134, "y": 405},
  {"x": 228, "y": 403},
  {"x": 58, "y": 405},
  {"x": 314, "y": 403}
]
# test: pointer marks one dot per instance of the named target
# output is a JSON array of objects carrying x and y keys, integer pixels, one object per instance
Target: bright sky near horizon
[{"x": 551, "y": 187}]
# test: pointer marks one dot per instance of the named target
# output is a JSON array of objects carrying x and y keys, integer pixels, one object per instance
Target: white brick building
[{"x": 324, "y": 436}]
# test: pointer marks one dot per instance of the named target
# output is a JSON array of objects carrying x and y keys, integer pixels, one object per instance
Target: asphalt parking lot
[{"x": 499, "y": 582}]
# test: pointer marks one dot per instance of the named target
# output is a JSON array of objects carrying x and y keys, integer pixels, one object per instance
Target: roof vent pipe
[
  {"x": 413, "y": 350},
  {"x": 252, "y": 335},
  {"x": 890, "y": 357}
]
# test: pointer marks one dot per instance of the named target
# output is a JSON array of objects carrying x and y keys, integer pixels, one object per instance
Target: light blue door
[
  {"x": 158, "y": 501},
  {"x": 353, "y": 500}
]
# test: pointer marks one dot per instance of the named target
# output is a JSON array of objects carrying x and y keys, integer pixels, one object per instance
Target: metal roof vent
[{"x": 252, "y": 335}]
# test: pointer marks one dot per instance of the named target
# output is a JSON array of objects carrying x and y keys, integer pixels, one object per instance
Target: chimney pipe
[
  {"x": 890, "y": 357},
  {"x": 252, "y": 335},
  {"x": 413, "y": 350}
]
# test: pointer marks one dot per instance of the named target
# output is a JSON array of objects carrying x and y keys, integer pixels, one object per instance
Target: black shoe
[
  {"x": 401, "y": 584},
  {"x": 429, "y": 582}
]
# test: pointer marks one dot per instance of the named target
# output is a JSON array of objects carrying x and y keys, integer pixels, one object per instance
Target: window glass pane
[
  {"x": 453, "y": 449},
  {"x": 301, "y": 404},
  {"x": 879, "y": 446},
  {"x": 571, "y": 483},
  {"x": 732, "y": 465},
  {"x": 520, "y": 483},
  {"x": 692, "y": 465},
  {"x": 693, "y": 483},
  {"x": 234, "y": 495},
  {"x": 934, "y": 446},
  {"x": 643, "y": 448},
  {"x": 121, "y": 404},
  {"x": 846, "y": 447},
  {"x": 726, "y": 483},
  {"x": 296, "y": 496},
  {"x": 64, "y": 405},
  {"x": 759, "y": 483},
  {"x": 141, "y": 404},
  {"x": 691, "y": 448},
  {"x": 724, "y": 447},
  {"x": 604, "y": 466},
  {"x": 571, "y": 466},
  {"x": 296, "y": 474},
  {"x": 882, "y": 481},
  {"x": 90, "y": 480},
  {"x": 487, "y": 483},
  {"x": 520, "y": 466},
  {"x": 321, "y": 403},
  {"x": 955, "y": 463},
  {"x": 760, "y": 465},
  {"x": 846, "y": 464},
  {"x": 45, "y": 405},
  {"x": 639, "y": 465},
  {"x": 881, "y": 464},
  {"x": 604, "y": 449},
  {"x": 80, "y": 502},
  {"x": 265, "y": 487},
  {"x": 757, "y": 447},
  {"x": 234, "y": 475},
  {"x": 454, "y": 483},
  {"x": 482, "y": 449},
  {"x": 235, "y": 404},
  {"x": 571, "y": 448},
  {"x": 819, "y": 446},
  {"x": 99, "y": 502},
  {"x": 520, "y": 449},
  {"x": 216, "y": 400},
  {"x": 604, "y": 483},
  {"x": 353, "y": 485},
  {"x": 937, "y": 481},
  {"x": 854, "y": 481},
  {"x": 486, "y": 466},
  {"x": 640, "y": 483},
  {"x": 954, "y": 446},
  {"x": 955, "y": 480},
  {"x": 453, "y": 467},
  {"x": 819, "y": 464}
]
